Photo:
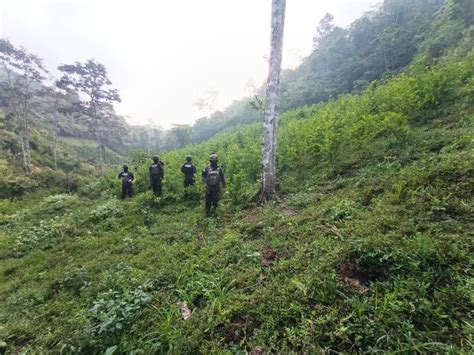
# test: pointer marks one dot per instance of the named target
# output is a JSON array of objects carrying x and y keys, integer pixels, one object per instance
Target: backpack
[
  {"x": 156, "y": 169},
  {"x": 213, "y": 177}
]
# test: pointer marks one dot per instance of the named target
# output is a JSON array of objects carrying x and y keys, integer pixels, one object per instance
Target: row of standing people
[{"x": 212, "y": 177}]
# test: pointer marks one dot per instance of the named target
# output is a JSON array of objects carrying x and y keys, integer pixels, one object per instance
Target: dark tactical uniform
[
  {"x": 156, "y": 175},
  {"x": 127, "y": 179},
  {"x": 213, "y": 177},
  {"x": 188, "y": 169}
]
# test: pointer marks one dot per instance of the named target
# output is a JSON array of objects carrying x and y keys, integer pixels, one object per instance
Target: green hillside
[
  {"x": 77, "y": 164},
  {"x": 381, "y": 43},
  {"x": 368, "y": 246}
]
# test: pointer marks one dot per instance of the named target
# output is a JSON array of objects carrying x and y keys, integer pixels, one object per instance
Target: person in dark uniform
[
  {"x": 188, "y": 169},
  {"x": 127, "y": 180},
  {"x": 157, "y": 172},
  {"x": 213, "y": 178}
]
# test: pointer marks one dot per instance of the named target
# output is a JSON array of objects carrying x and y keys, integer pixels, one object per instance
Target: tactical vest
[
  {"x": 213, "y": 177},
  {"x": 156, "y": 169},
  {"x": 188, "y": 169},
  {"x": 126, "y": 178}
]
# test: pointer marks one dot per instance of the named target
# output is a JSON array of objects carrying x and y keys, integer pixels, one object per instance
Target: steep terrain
[
  {"x": 368, "y": 246},
  {"x": 381, "y": 43}
]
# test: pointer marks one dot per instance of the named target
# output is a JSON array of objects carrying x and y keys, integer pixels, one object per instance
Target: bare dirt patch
[
  {"x": 269, "y": 255},
  {"x": 354, "y": 276}
]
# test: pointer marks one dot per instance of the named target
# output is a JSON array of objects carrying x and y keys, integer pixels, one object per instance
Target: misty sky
[{"x": 163, "y": 56}]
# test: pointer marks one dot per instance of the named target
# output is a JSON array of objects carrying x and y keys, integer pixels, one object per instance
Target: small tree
[
  {"x": 272, "y": 101},
  {"x": 23, "y": 74},
  {"x": 96, "y": 94}
]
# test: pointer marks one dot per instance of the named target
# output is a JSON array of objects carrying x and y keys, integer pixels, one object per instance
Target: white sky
[{"x": 164, "y": 55}]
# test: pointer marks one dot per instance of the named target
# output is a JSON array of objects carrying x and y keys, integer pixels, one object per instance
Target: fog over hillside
[{"x": 164, "y": 56}]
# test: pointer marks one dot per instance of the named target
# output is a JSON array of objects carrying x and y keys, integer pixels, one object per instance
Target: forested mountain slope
[
  {"x": 379, "y": 44},
  {"x": 368, "y": 246},
  {"x": 76, "y": 164},
  {"x": 43, "y": 144},
  {"x": 376, "y": 46}
]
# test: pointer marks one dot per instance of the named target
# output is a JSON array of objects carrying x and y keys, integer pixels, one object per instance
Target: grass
[
  {"x": 363, "y": 250},
  {"x": 263, "y": 277}
]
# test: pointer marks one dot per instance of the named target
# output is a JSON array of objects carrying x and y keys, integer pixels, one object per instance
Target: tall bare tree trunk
[
  {"x": 27, "y": 146},
  {"x": 55, "y": 131},
  {"x": 68, "y": 183},
  {"x": 25, "y": 138},
  {"x": 55, "y": 149},
  {"x": 24, "y": 152},
  {"x": 26, "y": 123},
  {"x": 101, "y": 154},
  {"x": 272, "y": 101},
  {"x": 104, "y": 156}
]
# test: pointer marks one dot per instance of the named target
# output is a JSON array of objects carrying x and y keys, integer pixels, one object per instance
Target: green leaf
[{"x": 110, "y": 350}]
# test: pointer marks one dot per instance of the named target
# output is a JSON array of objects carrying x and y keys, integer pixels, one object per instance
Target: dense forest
[{"x": 366, "y": 247}]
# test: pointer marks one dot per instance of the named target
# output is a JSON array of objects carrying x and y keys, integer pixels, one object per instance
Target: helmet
[
  {"x": 156, "y": 158},
  {"x": 189, "y": 158},
  {"x": 213, "y": 158},
  {"x": 125, "y": 166}
]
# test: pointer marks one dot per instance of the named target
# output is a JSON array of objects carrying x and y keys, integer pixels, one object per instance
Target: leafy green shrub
[
  {"x": 42, "y": 235},
  {"x": 8, "y": 140},
  {"x": 304, "y": 199},
  {"x": 110, "y": 209},
  {"x": 103, "y": 187},
  {"x": 75, "y": 280},
  {"x": 131, "y": 245},
  {"x": 58, "y": 203},
  {"x": 13, "y": 183},
  {"x": 241, "y": 190},
  {"x": 343, "y": 210},
  {"x": 112, "y": 311}
]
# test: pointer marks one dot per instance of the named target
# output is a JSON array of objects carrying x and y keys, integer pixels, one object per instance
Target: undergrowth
[{"x": 367, "y": 247}]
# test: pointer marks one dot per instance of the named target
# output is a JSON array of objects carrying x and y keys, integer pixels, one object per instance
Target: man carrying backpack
[
  {"x": 188, "y": 169},
  {"x": 127, "y": 180},
  {"x": 156, "y": 175},
  {"x": 212, "y": 178}
]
